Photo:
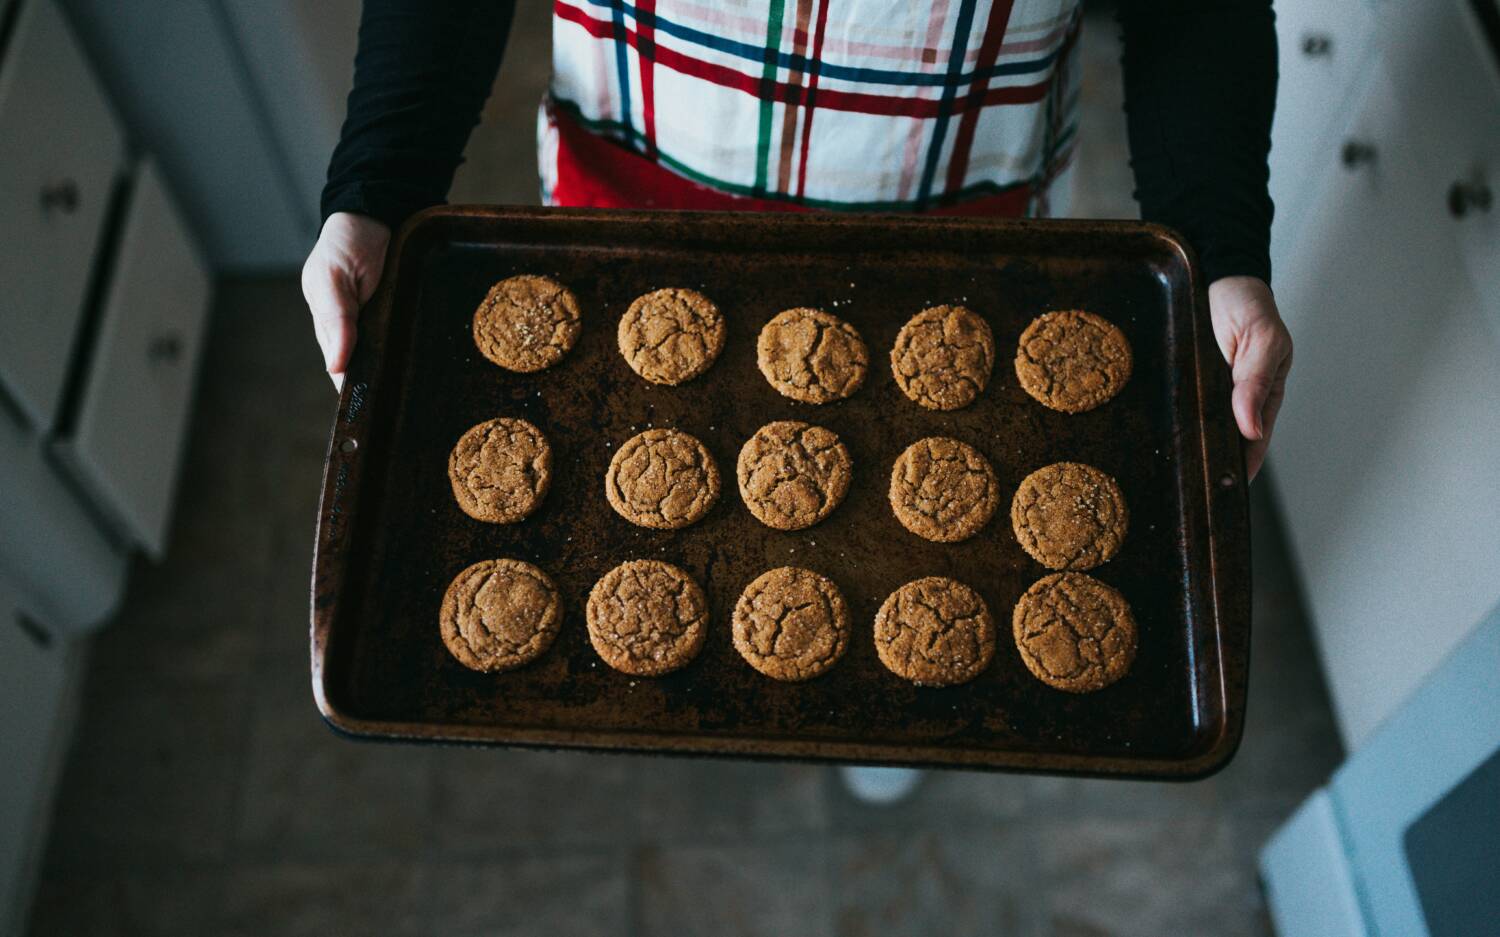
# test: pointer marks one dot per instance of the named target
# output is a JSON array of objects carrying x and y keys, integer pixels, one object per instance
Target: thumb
[
  {"x": 334, "y": 302},
  {"x": 1260, "y": 366}
]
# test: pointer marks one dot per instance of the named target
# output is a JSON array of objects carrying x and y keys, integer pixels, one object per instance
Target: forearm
[
  {"x": 421, "y": 76},
  {"x": 1200, "y": 93}
]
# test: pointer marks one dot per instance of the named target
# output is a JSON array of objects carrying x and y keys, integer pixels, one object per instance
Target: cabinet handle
[
  {"x": 1357, "y": 153},
  {"x": 60, "y": 196},
  {"x": 165, "y": 349},
  {"x": 1463, "y": 196},
  {"x": 1316, "y": 45}
]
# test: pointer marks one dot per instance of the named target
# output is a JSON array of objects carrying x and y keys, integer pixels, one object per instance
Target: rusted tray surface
[{"x": 390, "y": 537}]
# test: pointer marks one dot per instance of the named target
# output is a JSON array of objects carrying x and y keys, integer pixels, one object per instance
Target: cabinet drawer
[
  {"x": 60, "y": 153},
  {"x": 128, "y": 435},
  {"x": 1322, "y": 44}
]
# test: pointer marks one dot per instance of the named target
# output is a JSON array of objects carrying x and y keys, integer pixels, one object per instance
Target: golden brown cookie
[
  {"x": 499, "y": 614},
  {"x": 943, "y": 490},
  {"x": 935, "y": 632},
  {"x": 527, "y": 323},
  {"x": 671, "y": 336},
  {"x": 943, "y": 357},
  {"x": 811, "y": 356},
  {"x": 1069, "y": 516},
  {"x": 793, "y": 474},
  {"x": 500, "y": 470},
  {"x": 1074, "y": 632},
  {"x": 647, "y": 618},
  {"x": 791, "y": 624},
  {"x": 1073, "y": 360},
  {"x": 663, "y": 479}
]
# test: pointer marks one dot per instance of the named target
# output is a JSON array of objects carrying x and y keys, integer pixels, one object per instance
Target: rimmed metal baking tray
[{"x": 390, "y": 536}]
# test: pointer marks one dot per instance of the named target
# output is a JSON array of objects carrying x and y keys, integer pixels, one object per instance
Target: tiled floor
[{"x": 205, "y": 797}]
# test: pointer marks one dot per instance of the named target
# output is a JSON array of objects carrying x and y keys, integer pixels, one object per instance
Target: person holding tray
[{"x": 963, "y": 107}]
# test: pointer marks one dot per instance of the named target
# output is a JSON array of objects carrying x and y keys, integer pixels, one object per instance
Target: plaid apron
[{"x": 950, "y": 106}]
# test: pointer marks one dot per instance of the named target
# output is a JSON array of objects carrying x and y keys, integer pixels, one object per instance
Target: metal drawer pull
[
  {"x": 1315, "y": 45},
  {"x": 1463, "y": 196},
  {"x": 165, "y": 349},
  {"x": 60, "y": 196},
  {"x": 1357, "y": 153}
]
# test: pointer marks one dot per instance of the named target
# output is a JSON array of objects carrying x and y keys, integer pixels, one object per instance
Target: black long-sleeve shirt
[{"x": 1200, "y": 91}]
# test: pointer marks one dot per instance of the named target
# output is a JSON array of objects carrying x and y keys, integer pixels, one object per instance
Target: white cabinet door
[
  {"x": 1460, "y": 108},
  {"x": 1323, "y": 46},
  {"x": 134, "y": 411},
  {"x": 60, "y": 151},
  {"x": 36, "y": 689},
  {"x": 1387, "y": 454}
]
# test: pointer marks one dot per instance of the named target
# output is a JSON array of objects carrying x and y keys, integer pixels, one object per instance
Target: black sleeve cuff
[
  {"x": 1217, "y": 264},
  {"x": 387, "y": 202}
]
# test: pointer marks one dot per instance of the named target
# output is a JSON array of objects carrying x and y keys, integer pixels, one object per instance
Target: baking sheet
[{"x": 390, "y": 537}]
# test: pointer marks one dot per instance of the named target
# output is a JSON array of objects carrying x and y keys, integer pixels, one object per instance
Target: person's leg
[{"x": 879, "y": 785}]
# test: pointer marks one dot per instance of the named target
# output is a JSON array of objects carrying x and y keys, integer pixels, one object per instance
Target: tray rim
[{"x": 1225, "y": 505}]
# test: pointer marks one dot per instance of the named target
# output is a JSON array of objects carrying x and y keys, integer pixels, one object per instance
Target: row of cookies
[
  {"x": 1069, "y": 360},
  {"x": 791, "y": 475},
  {"x": 646, "y": 618}
]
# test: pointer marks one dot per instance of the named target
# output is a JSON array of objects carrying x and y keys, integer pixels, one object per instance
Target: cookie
[
  {"x": 793, "y": 474},
  {"x": 1069, "y": 516},
  {"x": 935, "y": 632},
  {"x": 500, "y": 470},
  {"x": 1072, "y": 361},
  {"x": 791, "y": 624},
  {"x": 671, "y": 336},
  {"x": 943, "y": 357},
  {"x": 646, "y": 618},
  {"x": 811, "y": 356},
  {"x": 1074, "y": 632},
  {"x": 943, "y": 490},
  {"x": 662, "y": 479},
  {"x": 527, "y": 323},
  {"x": 499, "y": 614}
]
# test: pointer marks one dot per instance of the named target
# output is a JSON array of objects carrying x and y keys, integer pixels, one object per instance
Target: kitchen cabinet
[
  {"x": 103, "y": 300},
  {"x": 125, "y": 442},
  {"x": 1321, "y": 46},
  {"x": 38, "y": 689},
  {"x": 1386, "y": 465},
  {"x": 61, "y": 152},
  {"x": 1387, "y": 453}
]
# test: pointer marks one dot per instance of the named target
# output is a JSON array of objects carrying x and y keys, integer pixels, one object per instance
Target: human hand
[
  {"x": 338, "y": 278},
  {"x": 1258, "y": 348}
]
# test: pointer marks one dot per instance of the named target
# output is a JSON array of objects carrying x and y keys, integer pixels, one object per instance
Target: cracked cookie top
[
  {"x": 499, "y": 614},
  {"x": 1074, "y": 632},
  {"x": 811, "y": 356},
  {"x": 671, "y": 336},
  {"x": 500, "y": 470},
  {"x": 663, "y": 479},
  {"x": 793, "y": 474},
  {"x": 943, "y": 490},
  {"x": 646, "y": 618},
  {"x": 1072, "y": 360},
  {"x": 1069, "y": 516},
  {"x": 935, "y": 632},
  {"x": 943, "y": 357},
  {"x": 527, "y": 323},
  {"x": 791, "y": 624}
]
